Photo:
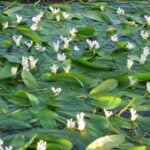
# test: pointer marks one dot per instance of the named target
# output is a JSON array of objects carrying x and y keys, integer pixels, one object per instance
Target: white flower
[
  {"x": 39, "y": 48},
  {"x": 76, "y": 48},
  {"x": 19, "y": 18},
  {"x": 145, "y": 34},
  {"x": 148, "y": 87},
  {"x": 114, "y": 38},
  {"x": 56, "y": 91},
  {"x": 143, "y": 59},
  {"x": 61, "y": 57},
  {"x": 54, "y": 10},
  {"x": 70, "y": 123},
  {"x": 13, "y": 71},
  {"x": 32, "y": 62},
  {"x": 130, "y": 45},
  {"x": 5, "y": 25},
  {"x": 17, "y": 39},
  {"x": 73, "y": 32},
  {"x": 134, "y": 114},
  {"x": 130, "y": 63},
  {"x": 108, "y": 113},
  {"x": 56, "y": 46},
  {"x": 8, "y": 148},
  {"x": 132, "y": 80},
  {"x": 41, "y": 145},
  {"x": 54, "y": 68},
  {"x": 147, "y": 18},
  {"x": 66, "y": 41},
  {"x": 25, "y": 63},
  {"x": 67, "y": 68},
  {"x": 93, "y": 44},
  {"x": 58, "y": 18},
  {"x": 65, "y": 15},
  {"x": 28, "y": 44},
  {"x": 120, "y": 11},
  {"x": 1, "y": 142},
  {"x": 36, "y": 19},
  {"x": 34, "y": 26},
  {"x": 80, "y": 121},
  {"x": 146, "y": 51}
]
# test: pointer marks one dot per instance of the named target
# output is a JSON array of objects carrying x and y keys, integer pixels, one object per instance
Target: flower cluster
[
  {"x": 29, "y": 63},
  {"x": 58, "y": 15},
  {"x": 80, "y": 122},
  {"x": 144, "y": 55},
  {"x": 36, "y": 20},
  {"x": 41, "y": 145},
  {"x": 4, "y": 148}
]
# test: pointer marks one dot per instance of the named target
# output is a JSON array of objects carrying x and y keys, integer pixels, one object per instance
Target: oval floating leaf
[
  {"x": 86, "y": 32},
  {"x": 108, "y": 102},
  {"x": 106, "y": 86},
  {"x": 29, "y": 80},
  {"x": 106, "y": 142}
]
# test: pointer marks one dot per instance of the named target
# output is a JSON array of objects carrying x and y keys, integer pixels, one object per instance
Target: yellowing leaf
[{"x": 106, "y": 142}]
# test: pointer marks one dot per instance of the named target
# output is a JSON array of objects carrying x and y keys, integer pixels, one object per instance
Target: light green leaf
[
  {"x": 106, "y": 142},
  {"x": 29, "y": 33},
  {"x": 106, "y": 86},
  {"x": 108, "y": 102},
  {"x": 138, "y": 148},
  {"x": 29, "y": 80}
]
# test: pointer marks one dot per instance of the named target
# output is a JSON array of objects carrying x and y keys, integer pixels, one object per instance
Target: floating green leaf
[
  {"x": 29, "y": 80},
  {"x": 106, "y": 86},
  {"x": 106, "y": 142}
]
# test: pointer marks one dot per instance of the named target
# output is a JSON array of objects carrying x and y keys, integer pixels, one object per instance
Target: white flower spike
[
  {"x": 114, "y": 38},
  {"x": 80, "y": 121},
  {"x": 147, "y": 18},
  {"x": 5, "y": 25},
  {"x": 65, "y": 15},
  {"x": 54, "y": 68},
  {"x": 66, "y": 41},
  {"x": 73, "y": 32},
  {"x": 14, "y": 71},
  {"x": 56, "y": 46},
  {"x": 56, "y": 91},
  {"x": 93, "y": 44},
  {"x": 148, "y": 87},
  {"x": 39, "y": 48},
  {"x": 70, "y": 123},
  {"x": 28, "y": 44},
  {"x": 54, "y": 10},
  {"x": 17, "y": 39},
  {"x": 41, "y": 145},
  {"x": 108, "y": 113},
  {"x": 130, "y": 63},
  {"x": 67, "y": 68},
  {"x": 19, "y": 18},
  {"x": 32, "y": 62},
  {"x": 34, "y": 26},
  {"x": 61, "y": 57},
  {"x": 76, "y": 48},
  {"x": 25, "y": 63},
  {"x": 120, "y": 12},
  {"x": 145, "y": 34},
  {"x": 130, "y": 46},
  {"x": 132, "y": 80},
  {"x": 134, "y": 114}
]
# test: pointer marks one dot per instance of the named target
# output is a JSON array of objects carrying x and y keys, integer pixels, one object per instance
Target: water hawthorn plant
[{"x": 75, "y": 76}]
